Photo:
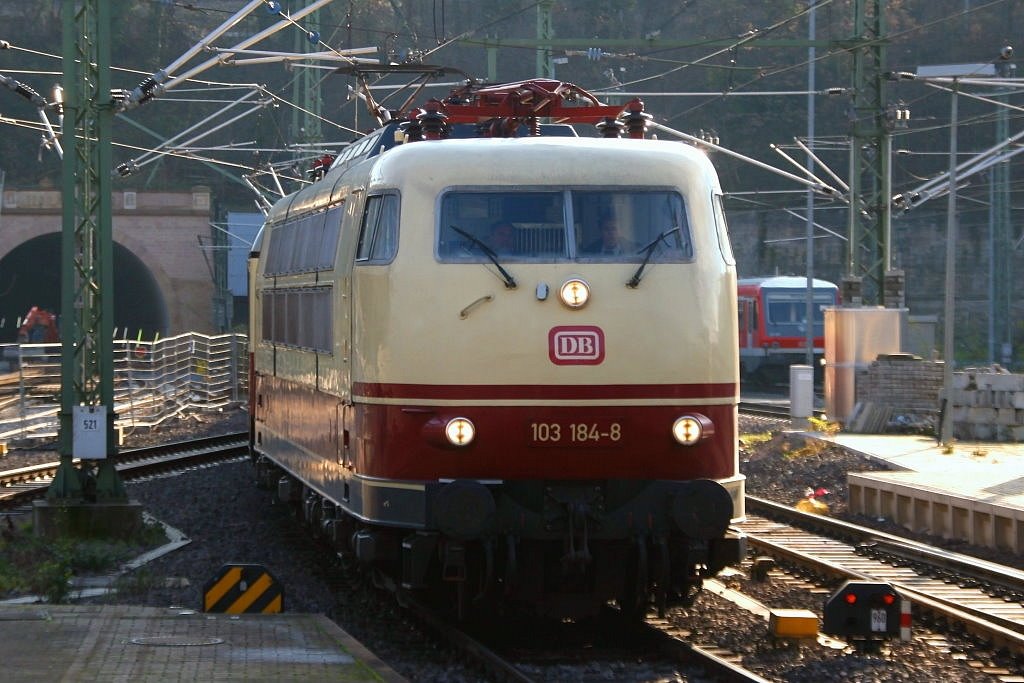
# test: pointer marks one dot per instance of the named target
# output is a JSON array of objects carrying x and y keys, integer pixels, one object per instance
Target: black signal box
[{"x": 863, "y": 609}]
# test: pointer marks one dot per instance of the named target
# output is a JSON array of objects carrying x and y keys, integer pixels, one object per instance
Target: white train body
[{"x": 375, "y": 333}]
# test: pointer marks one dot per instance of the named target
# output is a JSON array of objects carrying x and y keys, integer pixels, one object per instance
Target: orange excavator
[{"x": 39, "y": 327}]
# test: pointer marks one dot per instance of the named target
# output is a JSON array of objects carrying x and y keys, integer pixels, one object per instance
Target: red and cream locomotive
[{"x": 494, "y": 358}]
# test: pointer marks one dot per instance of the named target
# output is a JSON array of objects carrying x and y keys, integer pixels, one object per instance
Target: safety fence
[{"x": 153, "y": 381}]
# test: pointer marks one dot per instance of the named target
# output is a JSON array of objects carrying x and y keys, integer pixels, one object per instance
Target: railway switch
[{"x": 865, "y": 610}]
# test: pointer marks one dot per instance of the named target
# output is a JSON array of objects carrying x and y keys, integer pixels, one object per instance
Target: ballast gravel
[{"x": 229, "y": 520}]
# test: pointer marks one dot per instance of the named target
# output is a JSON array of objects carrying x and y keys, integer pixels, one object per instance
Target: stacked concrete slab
[
  {"x": 904, "y": 390},
  {"x": 988, "y": 405}
]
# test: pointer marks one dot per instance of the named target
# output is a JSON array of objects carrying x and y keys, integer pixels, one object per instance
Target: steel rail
[
  {"x": 978, "y": 621},
  {"x": 26, "y": 483}
]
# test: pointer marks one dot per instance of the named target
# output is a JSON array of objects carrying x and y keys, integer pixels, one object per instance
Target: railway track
[
  {"x": 539, "y": 660},
  {"x": 20, "y": 486},
  {"x": 982, "y": 599},
  {"x": 773, "y": 410}
]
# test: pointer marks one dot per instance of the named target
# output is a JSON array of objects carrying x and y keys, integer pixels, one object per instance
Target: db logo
[{"x": 576, "y": 345}]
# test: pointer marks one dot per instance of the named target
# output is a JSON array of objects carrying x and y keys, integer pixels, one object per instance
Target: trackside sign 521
[{"x": 576, "y": 345}]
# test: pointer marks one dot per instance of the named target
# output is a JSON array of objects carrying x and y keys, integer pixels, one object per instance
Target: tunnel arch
[{"x": 30, "y": 276}]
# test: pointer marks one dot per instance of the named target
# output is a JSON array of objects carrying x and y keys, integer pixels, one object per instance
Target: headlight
[
  {"x": 574, "y": 293},
  {"x": 460, "y": 431},
  {"x": 689, "y": 429}
]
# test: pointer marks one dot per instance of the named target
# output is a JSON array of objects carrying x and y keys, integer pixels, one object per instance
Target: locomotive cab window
[
  {"x": 378, "y": 235},
  {"x": 571, "y": 224}
]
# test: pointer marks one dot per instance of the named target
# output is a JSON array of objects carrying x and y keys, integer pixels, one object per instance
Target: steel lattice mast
[
  {"x": 87, "y": 397},
  {"x": 869, "y": 260}
]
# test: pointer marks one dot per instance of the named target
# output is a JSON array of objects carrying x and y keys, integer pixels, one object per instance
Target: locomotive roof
[
  {"x": 785, "y": 282},
  {"x": 538, "y": 160}
]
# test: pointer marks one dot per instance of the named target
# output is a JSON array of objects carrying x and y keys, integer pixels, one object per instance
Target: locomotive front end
[{"x": 547, "y": 364}]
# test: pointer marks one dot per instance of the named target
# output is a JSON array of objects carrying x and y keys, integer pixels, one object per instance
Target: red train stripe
[{"x": 414, "y": 392}]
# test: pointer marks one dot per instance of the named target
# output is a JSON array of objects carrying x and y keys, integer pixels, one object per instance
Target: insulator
[
  {"x": 118, "y": 96},
  {"x": 413, "y": 130},
  {"x": 127, "y": 168},
  {"x": 636, "y": 119},
  {"x": 610, "y": 128},
  {"x": 433, "y": 121}
]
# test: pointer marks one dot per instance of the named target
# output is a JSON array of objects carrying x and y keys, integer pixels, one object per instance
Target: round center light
[
  {"x": 575, "y": 293},
  {"x": 460, "y": 431}
]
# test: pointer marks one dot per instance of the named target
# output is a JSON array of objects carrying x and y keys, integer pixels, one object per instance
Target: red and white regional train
[
  {"x": 472, "y": 390},
  {"x": 773, "y": 323}
]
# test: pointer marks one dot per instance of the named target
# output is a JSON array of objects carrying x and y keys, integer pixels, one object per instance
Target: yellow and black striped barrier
[{"x": 243, "y": 588}]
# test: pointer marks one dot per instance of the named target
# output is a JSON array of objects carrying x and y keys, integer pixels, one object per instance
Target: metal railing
[{"x": 153, "y": 381}]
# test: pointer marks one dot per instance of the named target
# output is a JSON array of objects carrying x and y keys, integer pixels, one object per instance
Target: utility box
[
  {"x": 853, "y": 338},
  {"x": 801, "y": 392},
  {"x": 865, "y": 610}
]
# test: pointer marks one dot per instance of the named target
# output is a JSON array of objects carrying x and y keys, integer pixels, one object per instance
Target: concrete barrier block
[
  {"x": 964, "y": 397},
  {"x": 981, "y": 415},
  {"x": 1006, "y": 416},
  {"x": 981, "y": 431},
  {"x": 1001, "y": 382}
]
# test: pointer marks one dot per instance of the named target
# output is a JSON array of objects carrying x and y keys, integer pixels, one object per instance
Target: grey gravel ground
[{"x": 229, "y": 520}]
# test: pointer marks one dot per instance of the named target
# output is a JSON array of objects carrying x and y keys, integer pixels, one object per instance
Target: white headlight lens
[
  {"x": 460, "y": 431},
  {"x": 574, "y": 293},
  {"x": 687, "y": 430}
]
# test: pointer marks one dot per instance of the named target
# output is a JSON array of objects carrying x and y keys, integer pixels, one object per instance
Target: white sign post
[{"x": 89, "y": 433}]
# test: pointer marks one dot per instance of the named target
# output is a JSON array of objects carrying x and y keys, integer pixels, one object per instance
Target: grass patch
[
  {"x": 748, "y": 440},
  {"x": 37, "y": 566},
  {"x": 824, "y": 426}
]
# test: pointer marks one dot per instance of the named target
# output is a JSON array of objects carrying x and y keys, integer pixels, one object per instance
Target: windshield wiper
[
  {"x": 649, "y": 249},
  {"x": 510, "y": 282}
]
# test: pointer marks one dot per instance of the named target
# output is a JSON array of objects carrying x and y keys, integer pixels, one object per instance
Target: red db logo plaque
[{"x": 576, "y": 345}]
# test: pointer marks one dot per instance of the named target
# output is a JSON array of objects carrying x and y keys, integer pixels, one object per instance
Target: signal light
[{"x": 866, "y": 612}]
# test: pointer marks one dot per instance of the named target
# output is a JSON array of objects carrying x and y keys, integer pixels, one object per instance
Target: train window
[
  {"x": 615, "y": 224},
  {"x": 266, "y": 306},
  {"x": 378, "y": 236},
  {"x": 329, "y": 240},
  {"x": 279, "y": 253},
  {"x": 514, "y": 225},
  {"x": 298, "y": 317},
  {"x": 722, "y": 228},
  {"x": 304, "y": 244},
  {"x": 787, "y": 311},
  {"x": 529, "y": 225}
]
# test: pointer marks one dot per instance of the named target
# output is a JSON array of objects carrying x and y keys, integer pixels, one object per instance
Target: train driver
[
  {"x": 610, "y": 240},
  {"x": 502, "y": 237}
]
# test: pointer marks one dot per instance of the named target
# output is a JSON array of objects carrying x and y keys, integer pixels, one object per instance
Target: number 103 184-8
[{"x": 599, "y": 433}]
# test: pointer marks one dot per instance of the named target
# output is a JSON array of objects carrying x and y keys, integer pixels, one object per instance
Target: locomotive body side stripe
[{"x": 538, "y": 394}]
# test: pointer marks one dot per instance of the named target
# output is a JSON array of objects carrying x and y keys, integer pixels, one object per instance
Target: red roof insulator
[
  {"x": 433, "y": 121},
  {"x": 321, "y": 166},
  {"x": 610, "y": 128},
  {"x": 636, "y": 119},
  {"x": 534, "y": 126}
]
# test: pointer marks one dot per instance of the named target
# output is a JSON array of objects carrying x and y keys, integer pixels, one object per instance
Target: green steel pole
[{"x": 87, "y": 415}]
